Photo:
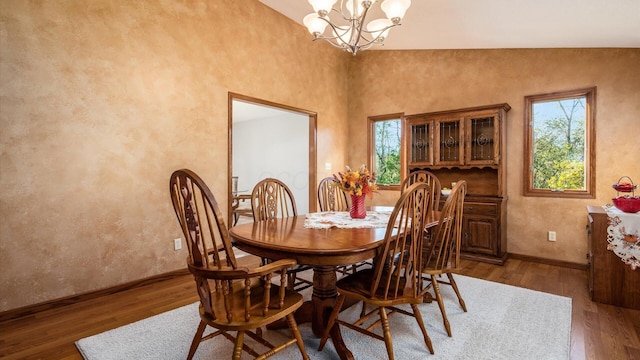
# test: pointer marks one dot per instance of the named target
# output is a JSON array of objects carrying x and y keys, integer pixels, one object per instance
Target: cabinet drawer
[{"x": 480, "y": 209}]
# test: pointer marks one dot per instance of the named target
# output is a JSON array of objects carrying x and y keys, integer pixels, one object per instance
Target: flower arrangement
[{"x": 358, "y": 183}]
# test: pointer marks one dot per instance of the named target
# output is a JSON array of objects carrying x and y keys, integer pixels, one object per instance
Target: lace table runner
[
  {"x": 342, "y": 219},
  {"x": 623, "y": 235}
]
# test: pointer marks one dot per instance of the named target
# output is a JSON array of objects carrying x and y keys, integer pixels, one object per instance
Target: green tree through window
[
  {"x": 560, "y": 136},
  {"x": 558, "y": 154},
  {"x": 384, "y": 152}
]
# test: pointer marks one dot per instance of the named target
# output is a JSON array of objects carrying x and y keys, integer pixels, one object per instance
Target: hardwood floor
[{"x": 598, "y": 331}]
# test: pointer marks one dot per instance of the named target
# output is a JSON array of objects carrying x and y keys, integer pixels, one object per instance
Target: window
[
  {"x": 385, "y": 133},
  {"x": 560, "y": 144}
]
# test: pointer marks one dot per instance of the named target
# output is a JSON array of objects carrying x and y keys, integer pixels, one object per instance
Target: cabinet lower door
[{"x": 480, "y": 235}]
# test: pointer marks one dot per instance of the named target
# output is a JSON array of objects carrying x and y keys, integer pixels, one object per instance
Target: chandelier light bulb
[
  {"x": 314, "y": 24},
  {"x": 322, "y": 7},
  {"x": 395, "y": 9}
]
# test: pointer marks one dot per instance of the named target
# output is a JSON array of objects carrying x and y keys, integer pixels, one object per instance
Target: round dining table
[{"x": 322, "y": 248}]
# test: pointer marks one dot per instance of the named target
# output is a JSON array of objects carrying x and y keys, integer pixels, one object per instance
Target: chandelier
[{"x": 350, "y": 33}]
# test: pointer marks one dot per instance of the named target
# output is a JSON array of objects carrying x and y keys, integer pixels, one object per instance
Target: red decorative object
[
  {"x": 624, "y": 186},
  {"x": 628, "y": 204},
  {"x": 357, "y": 211}
]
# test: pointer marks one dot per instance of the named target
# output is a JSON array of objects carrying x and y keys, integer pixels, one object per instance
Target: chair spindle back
[
  {"x": 445, "y": 248},
  {"x": 271, "y": 199},
  {"x": 331, "y": 197},
  {"x": 398, "y": 264},
  {"x": 201, "y": 220},
  {"x": 425, "y": 177}
]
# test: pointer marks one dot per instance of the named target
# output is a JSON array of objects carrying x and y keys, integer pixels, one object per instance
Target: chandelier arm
[
  {"x": 360, "y": 22},
  {"x": 335, "y": 29},
  {"x": 380, "y": 32},
  {"x": 366, "y": 45},
  {"x": 369, "y": 43},
  {"x": 332, "y": 43}
]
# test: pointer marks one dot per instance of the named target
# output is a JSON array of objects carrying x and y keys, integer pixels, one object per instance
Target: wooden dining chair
[
  {"x": 331, "y": 197},
  {"x": 232, "y": 298},
  {"x": 427, "y": 178},
  {"x": 395, "y": 278},
  {"x": 272, "y": 199},
  {"x": 442, "y": 257}
]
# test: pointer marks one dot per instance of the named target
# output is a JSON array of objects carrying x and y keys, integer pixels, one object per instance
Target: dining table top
[{"x": 289, "y": 238}]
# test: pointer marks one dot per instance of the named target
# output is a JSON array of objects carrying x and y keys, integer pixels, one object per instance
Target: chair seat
[
  {"x": 359, "y": 284},
  {"x": 431, "y": 268},
  {"x": 292, "y": 301}
]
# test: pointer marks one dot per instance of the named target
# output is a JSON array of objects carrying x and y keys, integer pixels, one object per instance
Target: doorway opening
[{"x": 268, "y": 139}]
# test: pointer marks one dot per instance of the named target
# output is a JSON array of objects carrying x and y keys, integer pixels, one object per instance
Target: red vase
[{"x": 357, "y": 211}]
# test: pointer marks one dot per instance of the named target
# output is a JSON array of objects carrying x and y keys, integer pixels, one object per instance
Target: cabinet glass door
[
  {"x": 449, "y": 140},
  {"x": 483, "y": 140},
  {"x": 421, "y": 144}
]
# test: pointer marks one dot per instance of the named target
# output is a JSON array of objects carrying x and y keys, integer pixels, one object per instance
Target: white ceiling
[
  {"x": 490, "y": 24},
  {"x": 495, "y": 24}
]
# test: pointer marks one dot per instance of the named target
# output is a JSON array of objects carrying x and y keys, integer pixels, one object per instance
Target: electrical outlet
[
  {"x": 552, "y": 236},
  {"x": 177, "y": 244}
]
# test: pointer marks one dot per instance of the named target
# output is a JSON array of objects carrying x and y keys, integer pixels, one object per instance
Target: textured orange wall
[
  {"x": 383, "y": 82},
  {"x": 101, "y": 100}
]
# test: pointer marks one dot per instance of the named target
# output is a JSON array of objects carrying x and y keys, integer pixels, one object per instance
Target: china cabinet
[{"x": 467, "y": 144}]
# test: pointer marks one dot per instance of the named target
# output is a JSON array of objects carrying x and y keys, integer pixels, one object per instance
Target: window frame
[
  {"x": 372, "y": 120},
  {"x": 590, "y": 144}
]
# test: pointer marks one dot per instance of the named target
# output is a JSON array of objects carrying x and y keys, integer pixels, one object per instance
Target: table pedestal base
[
  {"x": 318, "y": 310},
  {"x": 323, "y": 298}
]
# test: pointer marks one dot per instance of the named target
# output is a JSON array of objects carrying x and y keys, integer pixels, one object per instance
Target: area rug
[{"x": 502, "y": 322}]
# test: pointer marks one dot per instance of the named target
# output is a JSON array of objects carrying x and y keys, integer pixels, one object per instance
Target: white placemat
[
  {"x": 342, "y": 219},
  {"x": 623, "y": 235}
]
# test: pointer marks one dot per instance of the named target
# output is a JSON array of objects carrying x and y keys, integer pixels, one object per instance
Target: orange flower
[{"x": 358, "y": 183}]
